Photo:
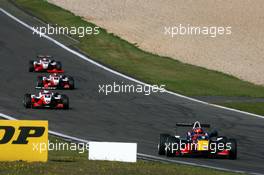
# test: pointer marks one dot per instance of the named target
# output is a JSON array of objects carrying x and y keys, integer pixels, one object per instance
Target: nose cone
[
  {"x": 47, "y": 100},
  {"x": 56, "y": 82},
  {"x": 45, "y": 65}
]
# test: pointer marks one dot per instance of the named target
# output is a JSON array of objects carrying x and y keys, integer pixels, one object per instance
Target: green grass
[
  {"x": 256, "y": 108},
  {"x": 74, "y": 163},
  {"x": 120, "y": 55}
]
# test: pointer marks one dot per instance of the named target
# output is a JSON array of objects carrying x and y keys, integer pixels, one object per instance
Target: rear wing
[
  {"x": 44, "y": 56},
  {"x": 194, "y": 125}
]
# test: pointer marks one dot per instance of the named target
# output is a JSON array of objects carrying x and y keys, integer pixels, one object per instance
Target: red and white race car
[
  {"x": 46, "y": 99},
  {"x": 45, "y": 64},
  {"x": 55, "y": 81}
]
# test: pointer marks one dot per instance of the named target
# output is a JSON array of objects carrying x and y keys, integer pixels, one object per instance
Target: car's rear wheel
[
  {"x": 161, "y": 146},
  {"x": 59, "y": 65},
  {"x": 65, "y": 101},
  {"x": 233, "y": 150},
  {"x": 27, "y": 101},
  {"x": 214, "y": 133},
  {"x": 31, "y": 66}
]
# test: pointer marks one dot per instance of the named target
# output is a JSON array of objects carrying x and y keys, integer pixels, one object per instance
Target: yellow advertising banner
[{"x": 25, "y": 140}]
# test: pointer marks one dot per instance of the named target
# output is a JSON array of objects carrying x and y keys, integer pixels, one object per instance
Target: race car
[
  {"x": 46, "y": 99},
  {"x": 55, "y": 81},
  {"x": 45, "y": 64},
  {"x": 197, "y": 142}
]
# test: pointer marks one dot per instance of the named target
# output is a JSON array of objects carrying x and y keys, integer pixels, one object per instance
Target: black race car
[{"x": 197, "y": 142}]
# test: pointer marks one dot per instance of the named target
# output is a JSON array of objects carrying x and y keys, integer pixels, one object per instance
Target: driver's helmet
[
  {"x": 198, "y": 131},
  {"x": 44, "y": 59},
  {"x": 43, "y": 92},
  {"x": 54, "y": 75}
]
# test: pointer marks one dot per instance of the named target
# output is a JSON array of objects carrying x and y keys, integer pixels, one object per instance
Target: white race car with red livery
[
  {"x": 45, "y": 64},
  {"x": 46, "y": 99},
  {"x": 55, "y": 81}
]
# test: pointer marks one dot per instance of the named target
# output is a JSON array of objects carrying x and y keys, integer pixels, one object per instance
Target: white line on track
[
  {"x": 118, "y": 73},
  {"x": 132, "y": 79}
]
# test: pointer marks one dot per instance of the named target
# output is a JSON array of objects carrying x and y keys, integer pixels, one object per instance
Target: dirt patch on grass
[{"x": 143, "y": 21}]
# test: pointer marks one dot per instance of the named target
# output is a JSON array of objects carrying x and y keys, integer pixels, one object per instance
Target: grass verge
[
  {"x": 74, "y": 163},
  {"x": 256, "y": 108},
  {"x": 124, "y": 57}
]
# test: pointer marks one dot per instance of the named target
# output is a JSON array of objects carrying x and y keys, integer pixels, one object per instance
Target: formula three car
[
  {"x": 45, "y": 64},
  {"x": 55, "y": 81},
  {"x": 46, "y": 99},
  {"x": 197, "y": 142}
]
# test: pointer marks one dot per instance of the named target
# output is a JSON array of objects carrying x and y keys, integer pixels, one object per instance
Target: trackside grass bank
[
  {"x": 125, "y": 57},
  {"x": 256, "y": 108},
  {"x": 74, "y": 163}
]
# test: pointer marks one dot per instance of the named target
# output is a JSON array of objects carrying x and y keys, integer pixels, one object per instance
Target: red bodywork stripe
[
  {"x": 59, "y": 105},
  {"x": 38, "y": 68},
  {"x": 55, "y": 71},
  {"x": 223, "y": 153}
]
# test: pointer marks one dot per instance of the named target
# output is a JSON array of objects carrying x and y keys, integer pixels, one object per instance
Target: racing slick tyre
[
  {"x": 53, "y": 103},
  {"x": 171, "y": 143},
  {"x": 39, "y": 82},
  {"x": 223, "y": 139},
  {"x": 31, "y": 66},
  {"x": 65, "y": 101},
  {"x": 60, "y": 85},
  {"x": 71, "y": 83},
  {"x": 59, "y": 65},
  {"x": 161, "y": 145},
  {"x": 27, "y": 101},
  {"x": 214, "y": 133},
  {"x": 233, "y": 150}
]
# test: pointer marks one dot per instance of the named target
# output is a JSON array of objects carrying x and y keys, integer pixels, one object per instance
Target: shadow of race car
[
  {"x": 45, "y": 64},
  {"x": 55, "y": 81},
  {"x": 46, "y": 99},
  {"x": 197, "y": 143}
]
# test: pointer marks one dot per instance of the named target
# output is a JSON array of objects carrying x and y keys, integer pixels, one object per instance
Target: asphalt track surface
[{"x": 126, "y": 117}]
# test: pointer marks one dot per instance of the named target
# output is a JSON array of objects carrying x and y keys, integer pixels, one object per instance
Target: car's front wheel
[
  {"x": 40, "y": 82},
  {"x": 31, "y": 66},
  {"x": 27, "y": 101},
  {"x": 71, "y": 83},
  {"x": 161, "y": 145},
  {"x": 172, "y": 145},
  {"x": 65, "y": 101}
]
